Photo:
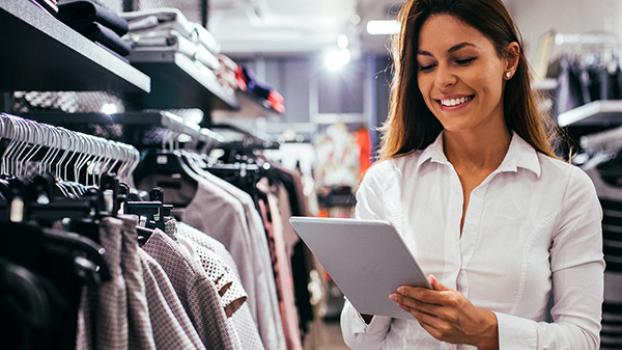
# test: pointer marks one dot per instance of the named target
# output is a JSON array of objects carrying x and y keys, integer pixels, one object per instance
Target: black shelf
[
  {"x": 250, "y": 106},
  {"x": 179, "y": 82},
  {"x": 43, "y": 54}
]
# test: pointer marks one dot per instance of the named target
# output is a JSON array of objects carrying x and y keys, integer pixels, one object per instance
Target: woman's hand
[{"x": 448, "y": 316}]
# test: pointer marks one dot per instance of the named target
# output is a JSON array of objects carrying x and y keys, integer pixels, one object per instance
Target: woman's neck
[{"x": 478, "y": 149}]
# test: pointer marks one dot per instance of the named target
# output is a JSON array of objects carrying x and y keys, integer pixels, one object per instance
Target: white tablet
[{"x": 367, "y": 259}]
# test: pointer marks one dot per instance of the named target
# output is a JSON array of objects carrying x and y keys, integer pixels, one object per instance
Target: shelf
[
  {"x": 597, "y": 113},
  {"x": 43, "y": 54},
  {"x": 164, "y": 119},
  {"x": 179, "y": 82},
  {"x": 544, "y": 84},
  {"x": 250, "y": 106}
]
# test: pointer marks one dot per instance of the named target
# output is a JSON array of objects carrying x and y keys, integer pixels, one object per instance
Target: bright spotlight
[
  {"x": 109, "y": 108},
  {"x": 383, "y": 27},
  {"x": 336, "y": 59}
]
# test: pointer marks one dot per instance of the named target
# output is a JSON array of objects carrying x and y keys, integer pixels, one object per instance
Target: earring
[{"x": 508, "y": 75}]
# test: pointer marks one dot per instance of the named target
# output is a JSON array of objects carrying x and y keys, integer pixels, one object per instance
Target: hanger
[{"x": 168, "y": 163}]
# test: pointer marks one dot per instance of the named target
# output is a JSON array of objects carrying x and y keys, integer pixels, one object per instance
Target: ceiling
[
  {"x": 286, "y": 27},
  {"x": 291, "y": 27}
]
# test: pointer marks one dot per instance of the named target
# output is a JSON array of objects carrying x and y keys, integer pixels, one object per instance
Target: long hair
[{"x": 411, "y": 125}]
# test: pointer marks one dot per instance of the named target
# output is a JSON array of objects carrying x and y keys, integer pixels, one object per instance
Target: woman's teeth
[{"x": 455, "y": 101}]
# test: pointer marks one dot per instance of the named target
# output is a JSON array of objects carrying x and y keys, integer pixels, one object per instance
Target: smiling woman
[{"x": 469, "y": 179}]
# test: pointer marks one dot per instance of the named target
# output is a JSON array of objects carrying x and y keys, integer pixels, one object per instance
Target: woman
[{"x": 469, "y": 179}]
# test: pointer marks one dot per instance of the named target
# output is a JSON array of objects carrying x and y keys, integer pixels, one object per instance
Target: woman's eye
[
  {"x": 465, "y": 61},
  {"x": 426, "y": 68}
]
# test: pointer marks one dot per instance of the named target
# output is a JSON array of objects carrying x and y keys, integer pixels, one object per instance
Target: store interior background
[
  {"x": 286, "y": 43},
  {"x": 334, "y": 77}
]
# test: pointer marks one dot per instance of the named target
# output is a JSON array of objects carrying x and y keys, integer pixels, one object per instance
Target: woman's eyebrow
[{"x": 451, "y": 49}]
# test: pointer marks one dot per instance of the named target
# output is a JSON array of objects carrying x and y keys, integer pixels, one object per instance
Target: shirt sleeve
[
  {"x": 356, "y": 333},
  {"x": 577, "y": 268}
]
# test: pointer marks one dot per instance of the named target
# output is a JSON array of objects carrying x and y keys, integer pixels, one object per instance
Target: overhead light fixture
[
  {"x": 109, "y": 108},
  {"x": 334, "y": 60},
  {"x": 383, "y": 27},
  {"x": 342, "y": 41}
]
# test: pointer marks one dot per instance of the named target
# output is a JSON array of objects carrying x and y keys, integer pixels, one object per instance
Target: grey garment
[
  {"x": 139, "y": 324},
  {"x": 215, "y": 211},
  {"x": 232, "y": 294},
  {"x": 103, "y": 322},
  {"x": 172, "y": 329},
  {"x": 242, "y": 320},
  {"x": 269, "y": 316},
  {"x": 197, "y": 293}
]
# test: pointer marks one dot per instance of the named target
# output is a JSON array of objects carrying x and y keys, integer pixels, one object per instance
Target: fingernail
[
  {"x": 393, "y": 297},
  {"x": 401, "y": 290}
]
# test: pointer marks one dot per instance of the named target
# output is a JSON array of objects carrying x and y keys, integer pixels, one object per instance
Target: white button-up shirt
[{"x": 532, "y": 236}]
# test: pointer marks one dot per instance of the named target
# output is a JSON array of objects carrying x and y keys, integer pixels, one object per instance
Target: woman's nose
[{"x": 445, "y": 77}]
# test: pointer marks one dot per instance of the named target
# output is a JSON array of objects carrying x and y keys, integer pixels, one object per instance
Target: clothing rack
[
  {"x": 552, "y": 43},
  {"x": 149, "y": 118},
  {"x": 96, "y": 155},
  {"x": 607, "y": 141}
]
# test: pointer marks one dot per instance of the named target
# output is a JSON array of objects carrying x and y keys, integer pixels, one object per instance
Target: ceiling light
[
  {"x": 336, "y": 59},
  {"x": 109, "y": 108},
  {"x": 342, "y": 41},
  {"x": 383, "y": 27}
]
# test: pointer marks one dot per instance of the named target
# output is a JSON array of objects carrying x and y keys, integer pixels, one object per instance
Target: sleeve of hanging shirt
[
  {"x": 577, "y": 267},
  {"x": 357, "y": 334}
]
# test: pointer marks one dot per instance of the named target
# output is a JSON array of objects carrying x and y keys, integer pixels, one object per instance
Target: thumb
[{"x": 436, "y": 285}]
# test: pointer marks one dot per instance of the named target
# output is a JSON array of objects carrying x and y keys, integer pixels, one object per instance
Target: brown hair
[{"x": 411, "y": 125}]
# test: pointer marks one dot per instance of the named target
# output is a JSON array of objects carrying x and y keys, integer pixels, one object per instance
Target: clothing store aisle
[{"x": 325, "y": 336}]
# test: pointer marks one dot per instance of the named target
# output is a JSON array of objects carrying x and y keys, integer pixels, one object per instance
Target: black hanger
[{"x": 170, "y": 171}]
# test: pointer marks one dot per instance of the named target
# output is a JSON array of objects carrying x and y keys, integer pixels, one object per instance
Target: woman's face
[{"x": 460, "y": 75}]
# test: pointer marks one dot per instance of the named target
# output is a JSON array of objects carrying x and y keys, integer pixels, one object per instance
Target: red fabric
[{"x": 365, "y": 157}]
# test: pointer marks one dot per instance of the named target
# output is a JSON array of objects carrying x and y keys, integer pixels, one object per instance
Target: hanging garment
[
  {"x": 105, "y": 310},
  {"x": 242, "y": 319},
  {"x": 196, "y": 292},
  {"x": 26, "y": 317},
  {"x": 172, "y": 328},
  {"x": 232, "y": 297},
  {"x": 282, "y": 270},
  {"x": 221, "y": 215},
  {"x": 139, "y": 324},
  {"x": 301, "y": 265},
  {"x": 572, "y": 87},
  {"x": 77, "y": 13}
]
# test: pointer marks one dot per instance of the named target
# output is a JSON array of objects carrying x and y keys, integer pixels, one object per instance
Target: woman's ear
[{"x": 511, "y": 58}]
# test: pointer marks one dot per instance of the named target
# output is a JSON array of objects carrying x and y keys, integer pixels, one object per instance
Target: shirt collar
[{"x": 520, "y": 155}]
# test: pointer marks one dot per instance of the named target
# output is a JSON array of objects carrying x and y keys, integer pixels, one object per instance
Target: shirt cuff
[
  {"x": 377, "y": 324},
  {"x": 516, "y": 332}
]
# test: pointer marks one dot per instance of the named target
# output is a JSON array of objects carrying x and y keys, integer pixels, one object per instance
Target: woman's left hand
[{"x": 448, "y": 315}]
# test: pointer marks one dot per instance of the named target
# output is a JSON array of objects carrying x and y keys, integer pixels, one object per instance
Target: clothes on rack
[
  {"x": 605, "y": 170},
  {"x": 580, "y": 82},
  {"x": 228, "y": 215}
]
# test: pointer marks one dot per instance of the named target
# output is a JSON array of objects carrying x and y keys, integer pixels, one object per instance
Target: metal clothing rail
[
  {"x": 55, "y": 150},
  {"x": 606, "y": 141}
]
